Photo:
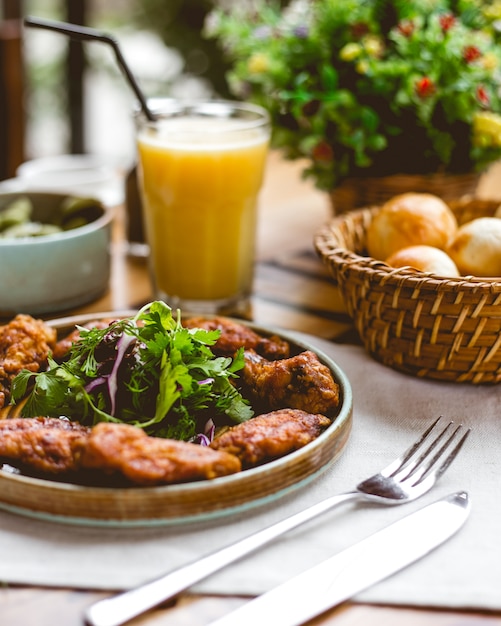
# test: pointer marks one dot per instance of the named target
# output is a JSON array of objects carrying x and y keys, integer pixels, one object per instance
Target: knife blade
[{"x": 358, "y": 567}]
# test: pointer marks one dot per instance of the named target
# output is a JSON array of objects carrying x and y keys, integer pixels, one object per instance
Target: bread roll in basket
[{"x": 443, "y": 328}]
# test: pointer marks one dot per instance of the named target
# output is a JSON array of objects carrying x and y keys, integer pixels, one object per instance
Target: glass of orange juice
[{"x": 200, "y": 168}]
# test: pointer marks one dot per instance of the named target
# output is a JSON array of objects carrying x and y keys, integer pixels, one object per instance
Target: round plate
[{"x": 196, "y": 501}]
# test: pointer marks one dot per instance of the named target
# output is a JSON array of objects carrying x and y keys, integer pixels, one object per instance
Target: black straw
[{"x": 90, "y": 34}]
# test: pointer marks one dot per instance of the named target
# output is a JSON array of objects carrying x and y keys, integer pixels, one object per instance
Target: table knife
[{"x": 342, "y": 576}]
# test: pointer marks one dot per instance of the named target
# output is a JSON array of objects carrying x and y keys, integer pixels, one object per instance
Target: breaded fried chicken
[
  {"x": 299, "y": 382},
  {"x": 25, "y": 343},
  {"x": 43, "y": 444},
  {"x": 53, "y": 446},
  {"x": 148, "y": 460},
  {"x": 235, "y": 335},
  {"x": 270, "y": 436}
]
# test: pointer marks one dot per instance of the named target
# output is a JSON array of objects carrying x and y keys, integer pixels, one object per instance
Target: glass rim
[{"x": 254, "y": 116}]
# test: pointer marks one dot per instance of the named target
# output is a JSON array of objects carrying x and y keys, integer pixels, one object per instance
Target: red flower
[
  {"x": 483, "y": 96},
  {"x": 322, "y": 152},
  {"x": 406, "y": 27},
  {"x": 471, "y": 53},
  {"x": 447, "y": 21},
  {"x": 425, "y": 87},
  {"x": 359, "y": 29}
]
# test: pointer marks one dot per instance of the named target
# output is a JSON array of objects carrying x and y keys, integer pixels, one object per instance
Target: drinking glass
[{"x": 200, "y": 168}]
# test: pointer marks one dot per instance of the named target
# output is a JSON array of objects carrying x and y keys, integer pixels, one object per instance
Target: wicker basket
[
  {"x": 447, "y": 329},
  {"x": 354, "y": 193}
]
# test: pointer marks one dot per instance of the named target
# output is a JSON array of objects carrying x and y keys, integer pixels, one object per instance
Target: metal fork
[{"x": 408, "y": 477}]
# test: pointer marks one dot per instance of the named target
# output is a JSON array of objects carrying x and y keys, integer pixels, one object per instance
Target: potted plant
[{"x": 395, "y": 90}]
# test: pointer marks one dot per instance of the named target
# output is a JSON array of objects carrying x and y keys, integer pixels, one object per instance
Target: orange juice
[{"x": 200, "y": 180}]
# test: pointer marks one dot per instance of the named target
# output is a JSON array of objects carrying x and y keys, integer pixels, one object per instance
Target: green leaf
[
  {"x": 329, "y": 77},
  {"x": 20, "y": 385},
  {"x": 167, "y": 372}
]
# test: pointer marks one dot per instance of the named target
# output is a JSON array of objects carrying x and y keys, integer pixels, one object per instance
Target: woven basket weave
[
  {"x": 354, "y": 193},
  {"x": 446, "y": 329}
]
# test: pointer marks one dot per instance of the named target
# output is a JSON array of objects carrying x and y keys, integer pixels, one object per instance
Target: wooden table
[{"x": 292, "y": 290}]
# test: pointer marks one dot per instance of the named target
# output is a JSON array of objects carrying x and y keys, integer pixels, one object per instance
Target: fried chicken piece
[
  {"x": 148, "y": 460},
  {"x": 63, "y": 346},
  {"x": 270, "y": 436},
  {"x": 53, "y": 446},
  {"x": 235, "y": 335},
  {"x": 25, "y": 343},
  {"x": 43, "y": 444},
  {"x": 299, "y": 382}
]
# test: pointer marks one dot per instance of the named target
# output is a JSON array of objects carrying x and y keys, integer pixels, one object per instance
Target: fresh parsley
[{"x": 148, "y": 371}]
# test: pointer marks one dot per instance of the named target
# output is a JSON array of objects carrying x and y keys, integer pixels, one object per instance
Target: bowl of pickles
[{"x": 54, "y": 251}]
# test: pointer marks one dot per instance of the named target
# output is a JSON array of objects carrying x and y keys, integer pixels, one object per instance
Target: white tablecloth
[{"x": 390, "y": 410}]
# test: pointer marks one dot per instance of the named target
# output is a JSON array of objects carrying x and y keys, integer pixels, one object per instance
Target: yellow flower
[
  {"x": 373, "y": 46},
  {"x": 362, "y": 67},
  {"x": 493, "y": 11},
  {"x": 487, "y": 129},
  {"x": 350, "y": 52},
  {"x": 258, "y": 63},
  {"x": 490, "y": 61}
]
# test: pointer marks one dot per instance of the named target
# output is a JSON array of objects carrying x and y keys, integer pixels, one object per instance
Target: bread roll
[
  {"x": 476, "y": 248},
  {"x": 410, "y": 219},
  {"x": 424, "y": 259}
]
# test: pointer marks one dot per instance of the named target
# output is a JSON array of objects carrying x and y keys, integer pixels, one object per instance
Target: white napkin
[{"x": 390, "y": 411}]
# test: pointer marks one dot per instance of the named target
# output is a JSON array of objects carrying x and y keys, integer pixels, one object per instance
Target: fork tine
[
  {"x": 402, "y": 460},
  {"x": 431, "y": 467},
  {"x": 407, "y": 469}
]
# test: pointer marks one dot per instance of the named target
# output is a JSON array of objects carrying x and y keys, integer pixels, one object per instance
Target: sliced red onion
[
  {"x": 95, "y": 383},
  {"x": 122, "y": 344},
  {"x": 207, "y": 436},
  {"x": 205, "y": 381},
  {"x": 201, "y": 439}
]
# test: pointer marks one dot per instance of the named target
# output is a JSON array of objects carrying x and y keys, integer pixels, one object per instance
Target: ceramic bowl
[{"x": 53, "y": 272}]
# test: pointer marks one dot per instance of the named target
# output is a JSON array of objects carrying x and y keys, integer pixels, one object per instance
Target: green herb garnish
[{"x": 148, "y": 371}]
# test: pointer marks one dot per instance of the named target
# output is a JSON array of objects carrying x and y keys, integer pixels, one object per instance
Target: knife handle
[{"x": 121, "y": 608}]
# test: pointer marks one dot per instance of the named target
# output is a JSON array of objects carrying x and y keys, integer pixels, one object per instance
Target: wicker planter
[
  {"x": 354, "y": 193},
  {"x": 447, "y": 329}
]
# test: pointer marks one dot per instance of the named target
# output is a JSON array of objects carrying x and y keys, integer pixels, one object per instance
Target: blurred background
[{"x": 59, "y": 96}]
